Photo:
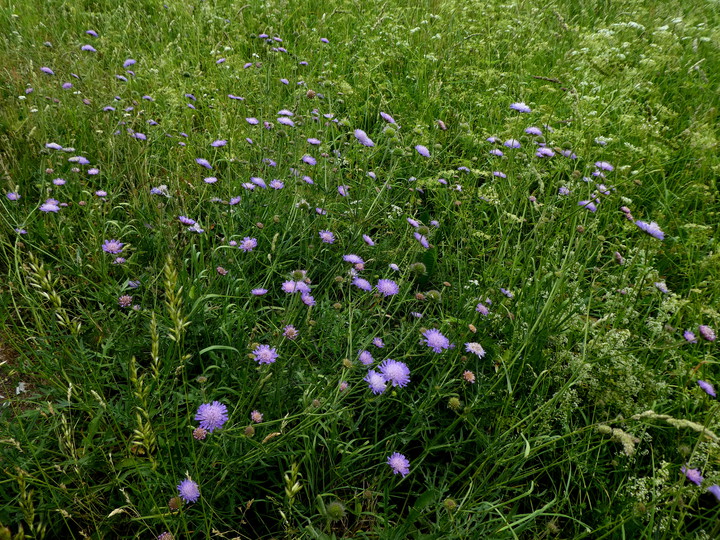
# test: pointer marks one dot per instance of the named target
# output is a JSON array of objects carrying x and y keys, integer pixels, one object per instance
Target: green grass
[{"x": 552, "y": 439}]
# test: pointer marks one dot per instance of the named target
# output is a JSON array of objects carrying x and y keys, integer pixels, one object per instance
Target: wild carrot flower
[
  {"x": 399, "y": 464},
  {"x": 212, "y": 416},
  {"x": 188, "y": 490}
]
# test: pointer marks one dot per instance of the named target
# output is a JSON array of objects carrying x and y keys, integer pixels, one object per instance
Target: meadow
[{"x": 384, "y": 269}]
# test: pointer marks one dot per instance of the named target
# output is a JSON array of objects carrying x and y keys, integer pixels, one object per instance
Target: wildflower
[
  {"x": 125, "y": 300},
  {"x": 248, "y": 244},
  {"x": 589, "y": 205},
  {"x": 499, "y": 174},
  {"x": 532, "y": 130},
  {"x": 652, "y": 228},
  {"x": 387, "y": 287},
  {"x": 715, "y": 490},
  {"x": 265, "y": 355},
  {"x": 220, "y": 270},
  {"x": 327, "y": 237},
  {"x": 210, "y": 180},
  {"x": 119, "y": 260},
  {"x": 544, "y": 152},
  {"x": 203, "y": 163},
  {"x": 496, "y": 152},
  {"x": 50, "y": 205},
  {"x": 520, "y": 107},
  {"x": 395, "y": 372},
  {"x": 389, "y": 119},
  {"x": 188, "y": 490},
  {"x": 689, "y": 336},
  {"x": 307, "y": 299},
  {"x": 112, "y": 246},
  {"x": 314, "y": 141},
  {"x": 422, "y": 150},
  {"x": 286, "y": 121},
  {"x": 368, "y": 240},
  {"x": 12, "y": 196},
  {"x": 693, "y": 475},
  {"x": 354, "y": 259},
  {"x": 129, "y": 62},
  {"x": 290, "y": 332},
  {"x": 482, "y": 309},
  {"x": 343, "y": 386},
  {"x": 709, "y": 389},
  {"x": 619, "y": 258},
  {"x": 507, "y": 293},
  {"x": 343, "y": 190},
  {"x": 378, "y": 342},
  {"x": 399, "y": 464},
  {"x": 394, "y": 267},
  {"x": 436, "y": 341},
  {"x": 47, "y": 70},
  {"x": 211, "y": 416},
  {"x": 258, "y": 292},
  {"x": 256, "y": 416},
  {"x": 469, "y": 376},
  {"x": 199, "y": 433},
  {"x": 512, "y": 143},
  {"x": 563, "y": 191},
  {"x": 252, "y": 121},
  {"x": 363, "y": 138},
  {"x": 475, "y": 348},
  {"x": 362, "y": 283},
  {"x": 277, "y": 184},
  {"x": 706, "y": 332},
  {"x": 376, "y": 382},
  {"x": 365, "y": 358},
  {"x": 421, "y": 239},
  {"x": 604, "y": 166}
]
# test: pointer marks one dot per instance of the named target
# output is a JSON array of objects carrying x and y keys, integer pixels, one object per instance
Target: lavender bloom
[
  {"x": 47, "y": 70},
  {"x": 252, "y": 121},
  {"x": 693, "y": 475},
  {"x": 188, "y": 490},
  {"x": 342, "y": 190},
  {"x": 389, "y": 119},
  {"x": 203, "y": 163},
  {"x": 399, "y": 464},
  {"x": 186, "y": 220},
  {"x": 544, "y": 152},
  {"x": 422, "y": 150},
  {"x": 232, "y": 96},
  {"x": 420, "y": 238},
  {"x": 12, "y": 196},
  {"x": 256, "y": 416},
  {"x": 309, "y": 159},
  {"x": 327, "y": 237},
  {"x": 376, "y": 382},
  {"x": 129, "y": 62},
  {"x": 210, "y": 180},
  {"x": 307, "y": 299},
  {"x": 496, "y": 152},
  {"x": 363, "y": 138},
  {"x": 284, "y": 81},
  {"x": 290, "y": 332},
  {"x": 92, "y": 33},
  {"x": 248, "y": 244},
  {"x": 112, "y": 246},
  {"x": 387, "y": 287},
  {"x": 220, "y": 60},
  {"x": 53, "y": 145},
  {"x": 660, "y": 286},
  {"x": 507, "y": 293},
  {"x": 475, "y": 348},
  {"x": 314, "y": 141},
  {"x": 533, "y": 131},
  {"x": 520, "y": 107},
  {"x": 378, "y": 342},
  {"x": 218, "y": 143},
  {"x": 365, "y": 358},
  {"x": 499, "y": 174},
  {"x": 361, "y": 283},
  {"x": 264, "y": 354},
  {"x": 89, "y": 48},
  {"x": 276, "y": 184},
  {"x": 395, "y": 372},
  {"x": 368, "y": 240},
  {"x": 211, "y": 416},
  {"x": 482, "y": 309},
  {"x": 589, "y": 205},
  {"x": 258, "y": 182},
  {"x": 353, "y": 259},
  {"x": 258, "y": 292},
  {"x": 563, "y": 191},
  {"x": 512, "y": 143},
  {"x": 435, "y": 340},
  {"x": 689, "y": 336},
  {"x": 325, "y": 40},
  {"x": 284, "y": 120},
  {"x": 604, "y": 166},
  {"x": 715, "y": 490},
  {"x": 51, "y": 205},
  {"x": 707, "y": 387},
  {"x": 706, "y": 332},
  {"x": 652, "y": 228}
]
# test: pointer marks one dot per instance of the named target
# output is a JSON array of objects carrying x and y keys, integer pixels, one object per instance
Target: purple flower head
[
  {"x": 532, "y": 130},
  {"x": 365, "y": 358},
  {"x": 309, "y": 159},
  {"x": 496, "y": 152},
  {"x": 314, "y": 141},
  {"x": 396, "y": 373},
  {"x": 258, "y": 292},
  {"x": 186, "y": 220},
  {"x": 707, "y": 387},
  {"x": 112, "y": 246},
  {"x": 376, "y": 382},
  {"x": 307, "y": 299},
  {"x": 512, "y": 143},
  {"x": 47, "y": 70},
  {"x": 520, "y": 107},
  {"x": 420, "y": 238},
  {"x": 378, "y": 342},
  {"x": 363, "y": 138},
  {"x": 129, "y": 62},
  {"x": 368, "y": 240},
  {"x": 544, "y": 152},
  {"x": 589, "y": 205},
  {"x": 188, "y": 490},
  {"x": 342, "y": 190},
  {"x": 89, "y": 48},
  {"x": 387, "y": 287},
  {"x": 212, "y": 416},
  {"x": 715, "y": 490},
  {"x": 258, "y": 182},
  {"x": 203, "y": 163},
  {"x": 252, "y": 121},
  {"x": 290, "y": 332},
  {"x": 264, "y": 354},
  {"x": 277, "y": 184},
  {"x": 362, "y": 283},
  {"x": 218, "y": 143},
  {"x": 13, "y": 196},
  {"x": 706, "y": 332},
  {"x": 325, "y": 40},
  {"x": 285, "y": 121},
  {"x": 507, "y": 293},
  {"x": 604, "y": 166},
  {"x": 422, "y": 150},
  {"x": 689, "y": 336},
  {"x": 482, "y": 309},
  {"x": 563, "y": 191},
  {"x": 248, "y": 244},
  {"x": 92, "y": 33},
  {"x": 210, "y": 179},
  {"x": 389, "y": 119},
  {"x": 652, "y": 228},
  {"x": 475, "y": 348},
  {"x": 51, "y": 205},
  {"x": 693, "y": 475},
  {"x": 499, "y": 174},
  {"x": 435, "y": 340},
  {"x": 353, "y": 259},
  {"x": 660, "y": 286},
  {"x": 284, "y": 81},
  {"x": 399, "y": 464},
  {"x": 327, "y": 237}
]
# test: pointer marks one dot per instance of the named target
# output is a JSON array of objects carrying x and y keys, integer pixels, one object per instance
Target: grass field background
[{"x": 306, "y": 269}]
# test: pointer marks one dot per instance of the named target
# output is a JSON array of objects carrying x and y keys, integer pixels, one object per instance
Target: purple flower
[
  {"x": 499, "y": 174},
  {"x": 89, "y": 48},
  {"x": 203, "y": 163},
  {"x": 689, "y": 336},
  {"x": 49, "y": 207},
  {"x": 212, "y": 416},
  {"x": 284, "y": 81},
  {"x": 520, "y": 107},
  {"x": 314, "y": 141},
  {"x": 389, "y": 119},
  {"x": 693, "y": 475},
  {"x": 258, "y": 182},
  {"x": 307, "y": 299},
  {"x": 309, "y": 159},
  {"x": 368, "y": 240},
  {"x": 188, "y": 490},
  {"x": 496, "y": 152},
  {"x": 660, "y": 286},
  {"x": 512, "y": 143},
  {"x": 544, "y": 152},
  {"x": 92, "y": 33},
  {"x": 248, "y": 244},
  {"x": 284, "y": 120},
  {"x": 363, "y": 138},
  {"x": 715, "y": 490},
  {"x": 420, "y": 238},
  {"x": 342, "y": 190},
  {"x": 290, "y": 332},
  {"x": 376, "y": 382},
  {"x": 435, "y": 340},
  {"x": 112, "y": 246},
  {"x": 12, "y": 196},
  {"x": 475, "y": 348},
  {"x": 276, "y": 184},
  {"x": 399, "y": 464},
  {"x": 47, "y": 70},
  {"x": 482, "y": 309},
  {"x": 709, "y": 389},
  {"x": 589, "y": 205},
  {"x": 258, "y": 292},
  {"x": 652, "y": 228},
  {"x": 507, "y": 293},
  {"x": 422, "y": 150},
  {"x": 563, "y": 191},
  {"x": 232, "y": 96},
  {"x": 532, "y": 130},
  {"x": 186, "y": 220},
  {"x": 210, "y": 180},
  {"x": 604, "y": 166},
  {"x": 353, "y": 259},
  {"x": 325, "y": 40},
  {"x": 129, "y": 62},
  {"x": 264, "y": 354},
  {"x": 362, "y": 283},
  {"x": 395, "y": 372},
  {"x": 327, "y": 237},
  {"x": 378, "y": 342},
  {"x": 365, "y": 358},
  {"x": 706, "y": 332},
  {"x": 387, "y": 287},
  {"x": 218, "y": 143},
  {"x": 252, "y": 121}
]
